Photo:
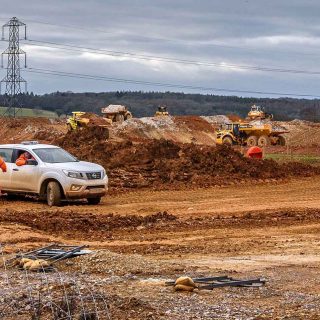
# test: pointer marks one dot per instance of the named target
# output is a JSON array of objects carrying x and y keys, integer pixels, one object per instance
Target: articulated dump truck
[{"x": 251, "y": 134}]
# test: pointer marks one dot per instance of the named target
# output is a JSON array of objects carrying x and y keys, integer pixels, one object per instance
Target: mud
[
  {"x": 265, "y": 223},
  {"x": 93, "y": 226},
  {"x": 164, "y": 164},
  {"x": 86, "y": 224},
  {"x": 194, "y": 123},
  {"x": 266, "y": 230},
  {"x": 95, "y": 120},
  {"x": 15, "y": 130}
]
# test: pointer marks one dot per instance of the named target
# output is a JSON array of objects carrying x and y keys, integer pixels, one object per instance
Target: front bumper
[{"x": 87, "y": 192}]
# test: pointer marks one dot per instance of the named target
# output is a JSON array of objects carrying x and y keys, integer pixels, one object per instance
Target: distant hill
[{"x": 146, "y": 103}]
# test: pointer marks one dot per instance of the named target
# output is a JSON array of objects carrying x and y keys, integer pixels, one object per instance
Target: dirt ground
[
  {"x": 143, "y": 238},
  {"x": 177, "y": 206}
]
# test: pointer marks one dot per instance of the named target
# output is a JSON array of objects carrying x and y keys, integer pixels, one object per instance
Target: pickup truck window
[
  {"x": 6, "y": 154},
  {"x": 54, "y": 155}
]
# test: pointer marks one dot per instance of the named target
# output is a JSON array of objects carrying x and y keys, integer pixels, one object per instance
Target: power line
[
  {"x": 175, "y": 40},
  {"x": 165, "y": 59},
  {"x": 70, "y": 47},
  {"x": 160, "y": 84}
]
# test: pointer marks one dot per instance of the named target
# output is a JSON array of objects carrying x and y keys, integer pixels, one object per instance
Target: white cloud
[
  {"x": 276, "y": 40},
  {"x": 229, "y": 33}
]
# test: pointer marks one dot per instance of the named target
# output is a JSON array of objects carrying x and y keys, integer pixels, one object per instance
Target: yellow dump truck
[
  {"x": 116, "y": 113},
  {"x": 261, "y": 134}
]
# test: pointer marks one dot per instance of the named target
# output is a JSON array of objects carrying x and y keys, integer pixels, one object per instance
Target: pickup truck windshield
[{"x": 54, "y": 155}]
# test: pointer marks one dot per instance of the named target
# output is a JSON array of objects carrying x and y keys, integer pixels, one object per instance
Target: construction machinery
[
  {"x": 77, "y": 121},
  {"x": 162, "y": 111},
  {"x": 80, "y": 120},
  {"x": 116, "y": 113},
  {"x": 97, "y": 124},
  {"x": 258, "y": 113},
  {"x": 251, "y": 134}
]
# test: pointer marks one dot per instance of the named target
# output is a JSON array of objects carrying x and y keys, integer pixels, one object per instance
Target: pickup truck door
[
  {"x": 24, "y": 178},
  {"x": 5, "y": 178}
]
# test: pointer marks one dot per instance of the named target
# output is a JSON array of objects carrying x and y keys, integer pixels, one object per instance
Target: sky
[{"x": 210, "y": 45}]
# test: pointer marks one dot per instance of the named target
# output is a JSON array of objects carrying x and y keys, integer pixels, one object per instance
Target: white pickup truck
[{"x": 52, "y": 174}]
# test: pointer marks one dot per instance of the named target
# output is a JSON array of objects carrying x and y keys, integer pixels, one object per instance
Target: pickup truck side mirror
[{"x": 32, "y": 162}]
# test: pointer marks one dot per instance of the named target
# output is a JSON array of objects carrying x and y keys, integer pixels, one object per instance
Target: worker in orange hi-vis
[
  {"x": 3, "y": 165},
  {"x": 3, "y": 168},
  {"x": 23, "y": 159}
]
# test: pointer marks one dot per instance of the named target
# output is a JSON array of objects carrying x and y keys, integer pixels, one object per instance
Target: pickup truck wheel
[
  {"x": 53, "y": 194},
  {"x": 94, "y": 201}
]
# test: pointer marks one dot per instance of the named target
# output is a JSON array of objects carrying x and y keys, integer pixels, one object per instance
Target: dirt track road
[
  {"x": 263, "y": 230},
  {"x": 223, "y": 200},
  {"x": 303, "y": 193}
]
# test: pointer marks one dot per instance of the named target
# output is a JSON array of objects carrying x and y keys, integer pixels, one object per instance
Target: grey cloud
[{"x": 181, "y": 29}]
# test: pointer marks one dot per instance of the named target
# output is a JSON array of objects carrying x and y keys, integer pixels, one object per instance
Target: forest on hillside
[{"x": 145, "y": 104}]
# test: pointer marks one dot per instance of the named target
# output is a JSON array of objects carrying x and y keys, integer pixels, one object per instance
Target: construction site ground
[
  {"x": 266, "y": 230},
  {"x": 257, "y": 227}
]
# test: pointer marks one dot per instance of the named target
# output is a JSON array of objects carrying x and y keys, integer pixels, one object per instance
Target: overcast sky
[{"x": 229, "y": 33}]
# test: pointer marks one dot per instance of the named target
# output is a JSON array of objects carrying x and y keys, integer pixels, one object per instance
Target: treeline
[{"x": 145, "y": 104}]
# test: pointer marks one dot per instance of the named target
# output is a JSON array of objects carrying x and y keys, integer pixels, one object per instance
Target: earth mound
[{"x": 164, "y": 164}]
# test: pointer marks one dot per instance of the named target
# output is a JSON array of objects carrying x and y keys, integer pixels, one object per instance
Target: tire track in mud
[{"x": 87, "y": 225}]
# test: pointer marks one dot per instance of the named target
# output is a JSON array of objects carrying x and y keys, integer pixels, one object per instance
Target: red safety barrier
[{"x": 255, "y": 153}]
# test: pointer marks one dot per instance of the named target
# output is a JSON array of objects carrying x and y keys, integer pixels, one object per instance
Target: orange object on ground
[
  {"x": 255, "y": 153},
  {"x": 24, "y": 157},
  {"x": 3, "y": 165}
]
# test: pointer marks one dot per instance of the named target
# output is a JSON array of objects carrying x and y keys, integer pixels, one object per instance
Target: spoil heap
[
  {"x": 181, "y": 129},
  {"x": 94, "y": 119},
  {"x": 14, "y": 130},
  {"x": 164, "y": 164}
]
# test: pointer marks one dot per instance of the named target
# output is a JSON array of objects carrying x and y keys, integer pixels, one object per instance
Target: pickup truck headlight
[{"x": 73, "y": 174}]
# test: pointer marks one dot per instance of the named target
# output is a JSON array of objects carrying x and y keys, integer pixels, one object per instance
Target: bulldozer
[
  {"x": 258, "y": 113},
  {"x": 246, "y": 134},
  {"x": 116, "y": 113},
  {"x": 80, "y": 120},
  {"x": 162, "y": 111},
  {"x": 76, "y": 121}
]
